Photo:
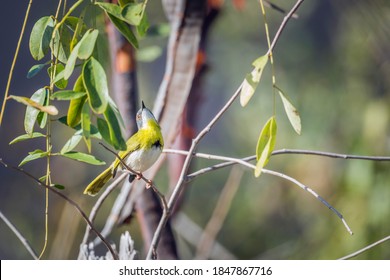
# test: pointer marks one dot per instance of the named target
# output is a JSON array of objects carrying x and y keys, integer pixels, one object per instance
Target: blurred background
[{"x": 333, "y": 62}]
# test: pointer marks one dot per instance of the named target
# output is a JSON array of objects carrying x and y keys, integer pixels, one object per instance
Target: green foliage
[
  {"x": 95, "y": 83},
  {"x": 125, "y": 13},
  {"x": 35, "y": 69},
  {"x": 292, "y": 113},
  {"x": 26, "y": 137},
  {"x": 40, "y": 37},
  {"x": 73, "y": 44},
  {"x": 83, "y": 158},
  {"x": 265, "y": 144}
]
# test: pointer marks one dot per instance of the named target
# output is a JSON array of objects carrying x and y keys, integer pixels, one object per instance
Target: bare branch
[
  {"x": 149, "y": 183},
  {"x": 22, "y": 239},
  {"x": 72, "y": 202},
  {"x": 350, "y": 256},
  {"x": 277, "y": 8},
  {"x": 230, "y": 160},
  {"x": 329, "y": 154},
  {"x": 312, "y": 192},
  {"x": 283, "y": 24},
  {"x": 180, "y": 184},
  {"x": 99, "y": 203}
]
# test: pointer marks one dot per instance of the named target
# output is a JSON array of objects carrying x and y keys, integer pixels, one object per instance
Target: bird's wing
[{"x": 132, "y": 144}]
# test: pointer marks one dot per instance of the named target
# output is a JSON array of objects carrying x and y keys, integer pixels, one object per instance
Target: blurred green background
[{"x": 333, "y": 62}]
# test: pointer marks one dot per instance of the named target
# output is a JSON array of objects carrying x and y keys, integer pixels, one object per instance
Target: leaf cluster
[{"x": 72, "y": 45}]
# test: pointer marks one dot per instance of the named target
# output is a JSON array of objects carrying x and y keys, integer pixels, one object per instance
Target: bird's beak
[{"x": 143, "y": 105}]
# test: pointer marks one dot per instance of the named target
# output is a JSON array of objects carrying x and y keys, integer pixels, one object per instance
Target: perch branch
[{"x": 148, "y": 182}]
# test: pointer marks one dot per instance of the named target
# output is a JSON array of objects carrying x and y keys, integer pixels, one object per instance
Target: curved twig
[
  {"x": 350, "y": 256},
  {"x": 230, "y": 161},
  {"x": 149, "y": 183},
  {"x": 20, "y": 236},
  {"x": 99, "y": 203}
]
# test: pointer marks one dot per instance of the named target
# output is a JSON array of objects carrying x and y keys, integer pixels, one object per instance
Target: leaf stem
[
  {"x": 14, "y": 61},
  {"x": 270, "y": 55}
]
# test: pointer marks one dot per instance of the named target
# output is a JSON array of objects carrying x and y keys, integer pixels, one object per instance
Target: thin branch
[
  {"x": 149, "y": 183},
  {"x": 277, "y": 8},
  {"x": 274, "y": 153},
  {"x": 312, "y": 192},
  {"x": 180, "y": 184},
  {"x": 11, "y": 71},
  {"x": 350, "y": 256},
  {"x": 283, "y": 24},
  {"x": 328, "y": 154},
  {"x": 230, "y": 161},
  {"x": 24, "y": 241},
  {"x": 99, "y": 203},
  {"x": 72, "y": 202}
]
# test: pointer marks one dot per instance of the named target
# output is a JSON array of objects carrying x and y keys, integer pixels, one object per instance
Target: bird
[{"x": 143, "y": 149}]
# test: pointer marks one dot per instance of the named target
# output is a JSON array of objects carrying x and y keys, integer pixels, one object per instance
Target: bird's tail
[{"x": 98, "y": 183}]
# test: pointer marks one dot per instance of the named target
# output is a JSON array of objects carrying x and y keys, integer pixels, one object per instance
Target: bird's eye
[{"x": 138, "y": 117}]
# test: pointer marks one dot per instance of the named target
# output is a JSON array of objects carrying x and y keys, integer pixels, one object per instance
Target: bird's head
[{"x": 145, "y": 117}]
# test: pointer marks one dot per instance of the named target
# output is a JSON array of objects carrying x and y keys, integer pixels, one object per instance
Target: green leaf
[
  {"x": 42, "y": 116},
  {"x": 149, "y": 54},
  {"x": 72, "y": 142},
  {"x": 41, "y": 36},
  {"x": 133, "y": 12},
  {"x": 74, "y": 111},
  {"x": 67, "y": 95},
  {"x": 252, "y": 80},
  {"x": 116, "y": 138},
  {"x": 43, "y": 178},
  {"x": 116, "y": 112},
  {"x": 265, "y": 144},
  {"x": 292, "y": 113},
  {"x": 26, "y": 137},
  {"x": 87, "y": 43},
  {"x": 31, "y": 113},
  {"x": 86, "y": 125},
  {"x": 143, "y": 26},
  {"x": 124, "y": 2},
  {"x": 112, "y": 9},
  {"x": 79, "y": 29},
  {"x": 124, "y": 29},
  {"x": 83, "y": 158},
  {"x": 104, "y": 129},
  {"x": 95, "y": 82},
  {"x": 60, "y": 45},
  {"x": 33, "y": 156},
  {"x": 57, "y": 186},
  {"x": 59, "y": 80},
  {"x": 69, "y": 67},
  {"x": 35, "y": 69}
]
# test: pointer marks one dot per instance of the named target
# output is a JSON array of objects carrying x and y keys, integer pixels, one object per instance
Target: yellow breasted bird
[{"x": 143, "y": 149}]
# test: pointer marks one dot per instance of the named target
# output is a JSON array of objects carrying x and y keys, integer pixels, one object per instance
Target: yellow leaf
[{"x": 51, "y": 110}]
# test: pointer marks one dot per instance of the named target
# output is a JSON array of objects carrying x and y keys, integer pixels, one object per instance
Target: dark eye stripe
[{"x": 157, "y": 144}]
